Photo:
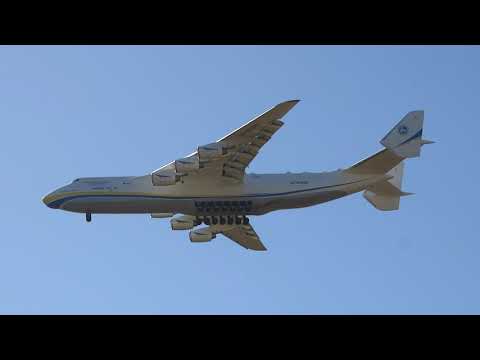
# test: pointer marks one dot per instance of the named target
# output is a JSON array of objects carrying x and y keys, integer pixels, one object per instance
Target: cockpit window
[{"x": 76, "y": 180}]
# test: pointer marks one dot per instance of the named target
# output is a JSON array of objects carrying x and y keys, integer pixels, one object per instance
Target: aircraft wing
[
  {"x": 241, "y": 146},
  {"x": 250, "y": 138},
  {"x": 245, "y": 236}
]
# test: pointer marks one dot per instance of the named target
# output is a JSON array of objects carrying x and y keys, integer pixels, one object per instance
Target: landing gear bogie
[{"x": 223, "y": 220}]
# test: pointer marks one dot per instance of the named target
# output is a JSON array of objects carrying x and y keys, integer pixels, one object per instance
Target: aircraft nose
[{"x": 47, "y": 200}]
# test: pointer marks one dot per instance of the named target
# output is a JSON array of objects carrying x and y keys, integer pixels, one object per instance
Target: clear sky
[{"x": 69, "y": 112}]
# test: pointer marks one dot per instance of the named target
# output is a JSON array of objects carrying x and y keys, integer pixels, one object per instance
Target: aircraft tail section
[{"x": 402, "y": 142}]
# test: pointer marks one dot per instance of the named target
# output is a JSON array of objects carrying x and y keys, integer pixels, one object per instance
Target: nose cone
[{"x": 48, "y": 200}]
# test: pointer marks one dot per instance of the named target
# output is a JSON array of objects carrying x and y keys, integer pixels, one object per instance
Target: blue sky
[{"x": 77, "y": 111}]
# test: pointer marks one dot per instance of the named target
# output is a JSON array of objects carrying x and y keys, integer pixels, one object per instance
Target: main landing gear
[
  {"x": 222, "y": 220},
  {"x": 88, "y": 216}
]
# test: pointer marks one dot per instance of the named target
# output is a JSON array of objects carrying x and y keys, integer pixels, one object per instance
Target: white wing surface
[
  {"x": 245, "y": 236},
  {"x": 230, "y": 155}
]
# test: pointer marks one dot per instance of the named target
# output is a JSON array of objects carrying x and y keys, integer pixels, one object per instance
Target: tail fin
[
  {"x": 403, "y": 141},
  {"x": 385, "y": 195}
]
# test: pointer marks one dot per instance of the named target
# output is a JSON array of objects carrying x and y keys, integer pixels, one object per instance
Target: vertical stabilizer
[{"x": 405, "y": 139}]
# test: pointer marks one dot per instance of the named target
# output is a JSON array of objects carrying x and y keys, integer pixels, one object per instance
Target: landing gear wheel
[
  {"x": 230, "y": 220},
  {"x": 206, "y": 220},
  {"x": 88, "y": 216},
  {"x": 246, "y": 221},
  {"x": 214, "y": 220},
  {"x": 238, "y": 220},
  {"x": 222, "y": 220}
]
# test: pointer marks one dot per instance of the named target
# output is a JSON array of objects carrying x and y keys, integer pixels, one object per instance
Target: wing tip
[
  {"x": 259, "y": 247},
  {"x": 292, "y": 101},
  {"x": 289, "y": 102},
  {"x": 285, "y": 106}
]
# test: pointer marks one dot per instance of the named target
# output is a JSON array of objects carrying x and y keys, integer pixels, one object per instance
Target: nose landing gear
[{"x": 88, "y": 216}]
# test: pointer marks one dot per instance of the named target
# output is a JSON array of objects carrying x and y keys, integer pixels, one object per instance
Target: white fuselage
[{"x": 256, "y": 195}]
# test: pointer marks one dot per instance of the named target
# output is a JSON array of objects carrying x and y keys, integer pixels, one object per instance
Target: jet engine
[
  {"x": 201, "y": 235},
  {"x": 186, "y": 165},
  {"x": 212, "y": 151},
  {"x": 183, "y": 222},
  {"x": 164, "y": 178}
]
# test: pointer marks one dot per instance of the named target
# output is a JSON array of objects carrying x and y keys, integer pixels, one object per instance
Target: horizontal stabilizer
[
  {"x": 381, "y": 202},
  {"x": 385, "y": 195},
  {"x": 387, "y": 189}
]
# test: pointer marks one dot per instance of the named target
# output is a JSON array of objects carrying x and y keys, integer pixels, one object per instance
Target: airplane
[{"x": 210, "y": 185}]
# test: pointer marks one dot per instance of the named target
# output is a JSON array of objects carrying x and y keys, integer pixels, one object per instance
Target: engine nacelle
[
  {"x": 201, "y": 235},
  {"x": 183, "y": 222},
  {"x": 186, "y": 165},
  {"x": 212, "y": 151},
  {"x": 164, "y": 178}
]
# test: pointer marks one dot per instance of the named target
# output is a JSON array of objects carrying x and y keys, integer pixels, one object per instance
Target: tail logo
[{"x": 402, "y": 130}]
